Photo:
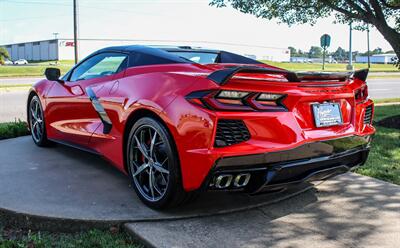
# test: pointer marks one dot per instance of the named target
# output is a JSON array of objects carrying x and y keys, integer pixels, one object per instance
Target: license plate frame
[{"x": 327, "y": 114}]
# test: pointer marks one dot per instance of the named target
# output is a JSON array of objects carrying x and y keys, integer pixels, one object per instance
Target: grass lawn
[
  {"x": 384, "y": 159},
  {"x": 37, "y": 69},
  {"x": 386, "y": 100},
  {"x": 13, "y": 238}
]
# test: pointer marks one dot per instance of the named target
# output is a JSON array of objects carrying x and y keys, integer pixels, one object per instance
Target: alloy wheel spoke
[
  {"x": 153, "y": 141},
  {"x": 140, "y": 169},
  {"x": 151, "y": 187},
  {"x": 33, "y": 114},
  {"x": 141, "y": 148},
  {"x": 160, "y": 169},
  {"x": 165, "y": 160},
  {"x": 156, "y": 188}
]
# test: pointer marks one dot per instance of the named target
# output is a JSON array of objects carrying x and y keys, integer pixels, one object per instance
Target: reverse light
[
  {"x": 231, "y": 97},
  {"x": 268, "y": 97},
  {"x": 229, "y": 94}
]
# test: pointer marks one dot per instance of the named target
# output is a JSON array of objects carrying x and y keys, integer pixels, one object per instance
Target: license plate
[{"x": 327, "y": 114}]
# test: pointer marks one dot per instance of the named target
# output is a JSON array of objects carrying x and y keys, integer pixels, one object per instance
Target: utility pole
[
  {"x": 350, "y": 65},
  {"x": 55, "y": 35},
  {"x": 368, "y": 48},
  {"x": 76, "y": 30}
]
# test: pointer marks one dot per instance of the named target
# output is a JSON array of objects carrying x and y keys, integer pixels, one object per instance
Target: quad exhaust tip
[{"x": 225, "y": 180}]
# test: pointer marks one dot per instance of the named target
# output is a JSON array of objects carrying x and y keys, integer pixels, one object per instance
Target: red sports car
[{"x": 179, "y": 120}]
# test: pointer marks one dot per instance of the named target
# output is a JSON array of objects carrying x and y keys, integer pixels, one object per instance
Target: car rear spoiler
[{"x": 221, "y": 77}]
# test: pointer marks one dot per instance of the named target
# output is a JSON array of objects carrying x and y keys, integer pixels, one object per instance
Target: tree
[
  {"x": 377, "y": 50},
  {"x": 340, "y": 54},
  {"x": 383, "y": 14},
  {"x": 315, "y": 52},
  {"x": 3, "y": 55},
  {"x": 293, "y": 51}
]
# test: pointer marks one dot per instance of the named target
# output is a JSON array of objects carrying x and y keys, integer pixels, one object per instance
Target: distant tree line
[{"x": 339, "y": 55}]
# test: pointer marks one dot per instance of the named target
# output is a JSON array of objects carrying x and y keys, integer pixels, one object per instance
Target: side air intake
[
  {"x": 230, "y": 132},
  {"x": 368, "y": 115}
]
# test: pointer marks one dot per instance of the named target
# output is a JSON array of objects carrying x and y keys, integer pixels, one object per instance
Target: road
[{"x": 12, "y": 103}]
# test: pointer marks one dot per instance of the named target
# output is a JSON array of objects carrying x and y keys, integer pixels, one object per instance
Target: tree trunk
[{"x": 391, "y": 35}]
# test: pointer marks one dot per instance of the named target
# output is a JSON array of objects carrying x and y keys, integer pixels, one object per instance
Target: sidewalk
[{"x": 348, "y": 211}]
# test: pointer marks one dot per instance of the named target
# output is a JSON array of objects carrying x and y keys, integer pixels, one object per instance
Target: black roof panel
[{"x": 146, "y": 55}]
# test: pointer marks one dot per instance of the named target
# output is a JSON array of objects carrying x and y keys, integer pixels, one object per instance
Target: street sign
[{"x": 325, "y": 41}]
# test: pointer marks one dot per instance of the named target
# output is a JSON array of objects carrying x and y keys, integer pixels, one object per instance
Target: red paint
[{"x": 161, "y": 89}]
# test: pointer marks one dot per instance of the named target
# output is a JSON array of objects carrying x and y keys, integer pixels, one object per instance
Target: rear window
[{"x": 198, "y": 57}]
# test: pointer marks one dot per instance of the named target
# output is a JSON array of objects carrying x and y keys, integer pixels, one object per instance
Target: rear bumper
[{"x": 278, "y": 170}]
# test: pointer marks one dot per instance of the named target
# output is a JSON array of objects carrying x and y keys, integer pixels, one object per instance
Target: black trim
[
  {"x": 76, "y": 146},
  {"x": 323, "y": 76},
  {"x": 100, "y": 110},
  {"x": 308, "y": 162},
  {"x": 221, "y": 77},
  {"x": 305, "y": 151},
  {"x": 361, "y": 74}
]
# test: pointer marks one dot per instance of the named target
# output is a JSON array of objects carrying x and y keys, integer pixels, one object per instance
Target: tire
[
  {"x": 156, "y": 161},
  {"x": 37, "y": 122}
]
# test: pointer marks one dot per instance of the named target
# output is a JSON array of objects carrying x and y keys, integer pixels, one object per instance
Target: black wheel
[
  {"x": 154, "y": 165},
  {"x": 36, "y": 122}
]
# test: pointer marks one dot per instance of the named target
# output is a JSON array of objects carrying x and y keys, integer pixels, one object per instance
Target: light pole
[
  {"x": 368, "y": 48},
  {"x": 55, "y": 35},
  {"x": 76, "y": 30},
  {"x": 350, "y": 65}
]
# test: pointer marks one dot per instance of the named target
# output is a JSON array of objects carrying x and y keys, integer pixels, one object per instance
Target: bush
[{"x": 13, "y": 129}]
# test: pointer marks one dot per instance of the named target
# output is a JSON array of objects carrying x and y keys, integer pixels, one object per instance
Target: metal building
[
  {"x": 378, "y": 59},
  {"x": 63, "y": 49}
]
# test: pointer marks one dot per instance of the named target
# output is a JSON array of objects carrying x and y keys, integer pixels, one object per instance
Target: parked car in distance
[
  {"x": 8, "y": 62},
  {"x": 21, "y": 62},
  {"x": 179, "y": 120}
]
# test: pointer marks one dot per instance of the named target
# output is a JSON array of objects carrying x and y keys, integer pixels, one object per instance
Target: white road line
[{"x": 378, "y": 89}]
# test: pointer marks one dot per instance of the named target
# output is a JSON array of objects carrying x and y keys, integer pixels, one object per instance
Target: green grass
[
  {"x": 384, "y": 159},
  {"x": 37, "y": 68},
  {"x": 5, "y": 86},
  {"x": 13, "y": 129},
  {"x": 386, "y": 100},
  {"x": 331, "y": 67},
  {"x": 13, "y": 238},
  {"x": 29, "y": 70}
]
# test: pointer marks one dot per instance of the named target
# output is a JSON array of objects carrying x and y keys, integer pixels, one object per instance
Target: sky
[{"x": 183, "y": 20}]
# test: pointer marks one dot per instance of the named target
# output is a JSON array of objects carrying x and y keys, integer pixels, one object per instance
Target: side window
[{"x": 100, "y": 65}]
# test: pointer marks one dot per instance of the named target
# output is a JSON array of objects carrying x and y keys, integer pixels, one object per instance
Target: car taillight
[
  {"x": 361, "y": 94},
  {"x": 230, "y": 100}
]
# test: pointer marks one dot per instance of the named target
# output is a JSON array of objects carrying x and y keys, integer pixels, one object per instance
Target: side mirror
[{"x": 52, "y": 74}]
